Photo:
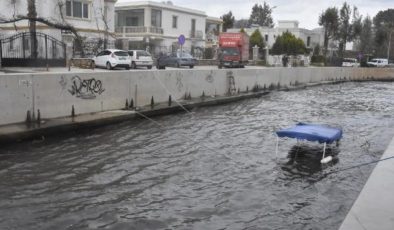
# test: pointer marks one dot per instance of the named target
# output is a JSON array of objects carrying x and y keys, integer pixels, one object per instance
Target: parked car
[
  {"x": 140, "y": 58},
  {"x": 111, "y": 58},
  {"x": 378, "y": 62},
  {"x": 176, "y": 59},
  {"x": 350, "y": 62}
]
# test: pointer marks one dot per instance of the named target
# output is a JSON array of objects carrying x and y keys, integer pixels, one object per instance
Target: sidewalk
[
  {"x": 374, "y": 207},
  {"x": 8, "y": 70}
]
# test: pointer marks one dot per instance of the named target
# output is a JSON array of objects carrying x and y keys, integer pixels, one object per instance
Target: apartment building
[
  {"x": 310, "y": 37},
  {"x": 93, "y": 19},
  {"x": 156, "y": 26}
]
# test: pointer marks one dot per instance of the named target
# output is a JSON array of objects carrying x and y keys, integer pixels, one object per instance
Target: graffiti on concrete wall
[
  {"x": 26, "y": 83},
  {"x": 63, "y": 82},
  {"x": 209, "y": 77},
  {"x": 179, "y": 83},
  {"x": 85, "y": 89}
]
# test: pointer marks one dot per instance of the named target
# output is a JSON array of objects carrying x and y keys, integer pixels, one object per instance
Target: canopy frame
[{"x": 310, "y": 132}]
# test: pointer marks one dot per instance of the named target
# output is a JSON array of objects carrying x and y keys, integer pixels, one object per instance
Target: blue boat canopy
[{"x": 311, "y": 132}]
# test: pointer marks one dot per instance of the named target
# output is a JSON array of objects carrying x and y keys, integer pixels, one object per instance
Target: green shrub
[{"x": 318, "y": 59}]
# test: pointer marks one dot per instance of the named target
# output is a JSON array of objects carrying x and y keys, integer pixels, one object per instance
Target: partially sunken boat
[{"x": 312, "y": 132}]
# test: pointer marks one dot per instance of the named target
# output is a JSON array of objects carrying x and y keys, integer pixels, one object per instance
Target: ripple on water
[{"x": 213, "y": 169}]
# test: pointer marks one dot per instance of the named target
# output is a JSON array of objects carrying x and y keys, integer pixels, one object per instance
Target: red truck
[{"x": 233, "y": 50}]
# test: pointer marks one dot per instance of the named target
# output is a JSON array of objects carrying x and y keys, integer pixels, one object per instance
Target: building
[
  {"x": 310, "y": 37},
  {"x": 93, "y": 19},
  {"x": 156, "y": 26},
  {"x": 212, "y": 29}
]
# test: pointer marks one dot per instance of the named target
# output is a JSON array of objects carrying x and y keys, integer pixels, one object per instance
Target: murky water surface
[{"x": 213, "y": 169}]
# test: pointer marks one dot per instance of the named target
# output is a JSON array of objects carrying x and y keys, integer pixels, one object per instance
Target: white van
[
  {"x": 140, "y": 58},
  {"x": 350, "y": 62},
  {"x": 378, "y": 62}
]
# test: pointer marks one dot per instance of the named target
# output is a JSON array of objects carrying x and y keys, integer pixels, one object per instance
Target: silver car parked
[{"x": 176, "y": 60}]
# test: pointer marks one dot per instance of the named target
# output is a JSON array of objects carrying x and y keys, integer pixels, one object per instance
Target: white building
[
  {"x": 310, "y": 37},
  {"x": 158, "y": 25},
  {"x": 93, "y": 19},
  {"x": 212, "y": 29}
]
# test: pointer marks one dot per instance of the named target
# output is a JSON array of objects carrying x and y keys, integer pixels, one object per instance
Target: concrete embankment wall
[{"x": 54, "y": 94}]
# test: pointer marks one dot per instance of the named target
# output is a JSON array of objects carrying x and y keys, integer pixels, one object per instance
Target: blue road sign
[{"x": 181, "y": 39}]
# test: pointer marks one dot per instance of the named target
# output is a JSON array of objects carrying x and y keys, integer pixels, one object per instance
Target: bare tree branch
[{"x": 56, "y": 25}]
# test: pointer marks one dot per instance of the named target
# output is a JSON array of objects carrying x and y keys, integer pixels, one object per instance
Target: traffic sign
[{"x": 181, "y": 39}]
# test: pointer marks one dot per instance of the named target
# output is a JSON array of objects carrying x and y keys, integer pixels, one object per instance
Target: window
[
  {"x": 77, "y": 9},
  {"x": 174, "y": 22},
  {"x": 266, "y": 37},
  {"x": 308, "y": 41},
  {"x": 193, "y": 25},
  {"x": 193, "y": 29},
  {"x": 156, "y": 18},
  {"x": 100, "y": 54},
  {"x": 132, "y": 21}
]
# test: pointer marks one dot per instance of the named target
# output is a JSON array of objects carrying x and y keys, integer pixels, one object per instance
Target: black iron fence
[{"x": 29, "y": 49}]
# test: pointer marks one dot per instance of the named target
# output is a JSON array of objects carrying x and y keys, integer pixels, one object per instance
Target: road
[{"x": 76, "y": 69}]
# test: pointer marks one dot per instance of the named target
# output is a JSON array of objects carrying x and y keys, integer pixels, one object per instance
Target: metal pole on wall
[
  {"x": 64, "y": 53},
  {"x": 23, "y": 45},
  {"x": 135, "y": 96},
  {"x": 1, "y": 55},
  {"x": 46, "y": 50},
  {"x": 388, "y": 49}
]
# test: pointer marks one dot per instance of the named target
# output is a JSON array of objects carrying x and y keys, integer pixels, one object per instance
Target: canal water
[{"x": 214, "y": 168}]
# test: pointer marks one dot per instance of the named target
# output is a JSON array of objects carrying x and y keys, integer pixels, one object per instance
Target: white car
[
  {"x": 111, "y": 58},
  {"x": 378, "y": 62},
  {"x": 140, "y": 58},
  {"x": 350, "y": 62}
]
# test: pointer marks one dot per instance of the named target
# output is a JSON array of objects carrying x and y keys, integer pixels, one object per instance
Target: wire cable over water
[
  {"x": 188, "y": 138},
  {"x": 358, "y": 165},
  {"x": 176, "y": 101}
]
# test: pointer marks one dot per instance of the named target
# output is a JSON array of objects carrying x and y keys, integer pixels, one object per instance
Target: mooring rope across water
[
  {"x": 184, "y": 136},
  {"x": 358, "y": 165}
]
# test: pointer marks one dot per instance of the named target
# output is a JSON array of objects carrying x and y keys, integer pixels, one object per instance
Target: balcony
[
  {"x": 196, "y": 34},
  {"x": 132, "y": 31}
]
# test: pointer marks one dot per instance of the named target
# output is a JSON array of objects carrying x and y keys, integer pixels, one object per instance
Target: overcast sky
[{"x": 305, "y": 11}]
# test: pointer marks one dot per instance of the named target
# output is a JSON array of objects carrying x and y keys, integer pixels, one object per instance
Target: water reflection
[
  {"x": 214, "y": 169},
  {"x": 304, "y": 159}
]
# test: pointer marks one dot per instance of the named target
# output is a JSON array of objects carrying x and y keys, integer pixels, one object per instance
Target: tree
[
  {"x": 366, "y": 37},
  {"x": 344, "y": 28},
  {"x": 32, "y": 15},
  {"x": 58, "y": 23},
  {"x": 228, "y": 21},
  {"x": 288, "y": 44},
  {"x": 356, "y": 24},
  {"x": 256, "y": 39},
  {"x": 32, "y": 18},
  {"x": 242, "y": 23},
  {"x": 261, "y": 15},
  {"x": 384, "y": 26},
  {"x": 329, "y": 19},
  {"x": 316, "y": 50}
]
